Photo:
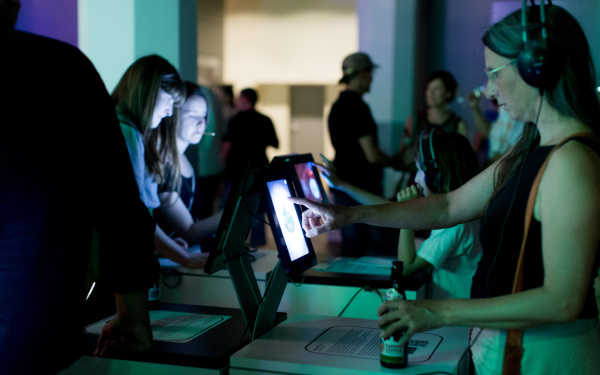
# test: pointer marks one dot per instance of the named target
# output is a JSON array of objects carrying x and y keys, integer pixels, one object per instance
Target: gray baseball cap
[{"x": 354, "y": 63}]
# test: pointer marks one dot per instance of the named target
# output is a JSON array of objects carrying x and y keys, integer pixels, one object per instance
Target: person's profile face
[
  {"x": 192, "y": 122},
  {"x": 420, "y": 180},
  {"x": 436, "y": 94},
  {"x": 242, "y": 103},
  {"x": 509, "y": 90},
  {"x": 163, "y": 107},
  {"x": 366, "y": 78}
]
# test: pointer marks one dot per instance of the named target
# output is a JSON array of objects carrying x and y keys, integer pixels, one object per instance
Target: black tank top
[
  {"x": 449, "y": 126},
  {"x": 495, "y": 274}
]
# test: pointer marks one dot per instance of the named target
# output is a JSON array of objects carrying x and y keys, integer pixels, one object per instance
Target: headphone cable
[{"x": 512, "y": 201}]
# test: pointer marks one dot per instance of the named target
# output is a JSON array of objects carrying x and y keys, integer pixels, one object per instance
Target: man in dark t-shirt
[
  {"x": 249, "y": 133},
  {"x": 358, "y": 159},
  {"x": 350, "y": 120},
  {"x": 248, "y": 136}
]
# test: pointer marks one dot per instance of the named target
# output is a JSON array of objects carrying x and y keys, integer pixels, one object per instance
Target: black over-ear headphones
[
  {"x": 429, "y": 165},
  {"x": 533, "y": 61}
]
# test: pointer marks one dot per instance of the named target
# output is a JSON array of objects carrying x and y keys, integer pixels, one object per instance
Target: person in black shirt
[
  {"x": 64, "y": 173},
  {"x": 244, "y": 147},
  {"x": 358, "y": 159}
]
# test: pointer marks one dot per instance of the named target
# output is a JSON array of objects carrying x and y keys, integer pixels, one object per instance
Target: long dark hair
[
  {"x": 135, "y": 98},
  {"x": 166, "y": 138},
  {"x": 571, "y": 87},
  {"x": 455, "y": 157}
]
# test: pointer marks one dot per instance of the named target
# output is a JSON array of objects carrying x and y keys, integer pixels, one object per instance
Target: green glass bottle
[{"x": 394, "y": 355}]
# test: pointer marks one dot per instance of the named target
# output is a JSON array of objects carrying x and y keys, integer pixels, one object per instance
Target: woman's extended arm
[
  {"x": 437, "y": 211},
  {"x": 568, "y": 206},
  {"x": 182, "y": 222},
  {"x": 335, "y": 182}
]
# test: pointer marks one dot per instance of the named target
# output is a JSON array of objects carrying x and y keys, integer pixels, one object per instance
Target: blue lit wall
[{"x": 56, "y": 19}]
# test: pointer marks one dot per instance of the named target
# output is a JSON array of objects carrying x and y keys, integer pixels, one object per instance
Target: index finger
[
  {"x": 303, "y": 201},
  {"x": 322, "y": 168}
]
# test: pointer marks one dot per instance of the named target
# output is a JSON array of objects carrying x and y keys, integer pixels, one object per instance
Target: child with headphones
[{"x": 445, "y": 161}]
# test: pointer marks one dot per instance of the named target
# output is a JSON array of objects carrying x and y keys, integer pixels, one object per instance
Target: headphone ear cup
[
  {"x": 433, "y": 179},
  {"x": 437, "y": 182},
  {"x": 532, "y": 63}
]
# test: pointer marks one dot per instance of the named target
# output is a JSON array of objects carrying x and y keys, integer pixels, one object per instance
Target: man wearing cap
[{"x": 358, "y": 159}]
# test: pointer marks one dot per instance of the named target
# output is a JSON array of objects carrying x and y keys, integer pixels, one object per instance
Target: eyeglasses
[{"x": 492, "y": 75}]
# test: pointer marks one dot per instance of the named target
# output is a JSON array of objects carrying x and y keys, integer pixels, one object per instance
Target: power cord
[
  {"x": 297, "y": 285},
  {"x": 351, "y": 299}
]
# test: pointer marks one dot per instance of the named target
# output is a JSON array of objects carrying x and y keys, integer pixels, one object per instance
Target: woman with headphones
[{"x": 532, "y": 297}]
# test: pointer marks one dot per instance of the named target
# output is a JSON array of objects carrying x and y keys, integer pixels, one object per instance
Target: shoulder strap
[
  {"x": 513, "y": 350},
  {"x": 518, "y": 281}
]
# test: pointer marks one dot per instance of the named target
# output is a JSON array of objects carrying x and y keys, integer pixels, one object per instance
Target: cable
[
  {"x": 349, "y": 302},
  {"x": 369, "y": 289},
  {"x": 297, "y": 284},
  {"x": 253, "y": 214},
  {"x": 512, "y": 201},
  {"x": 245, "y": 194}
]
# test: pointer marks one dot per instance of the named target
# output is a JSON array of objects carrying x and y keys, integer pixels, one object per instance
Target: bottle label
[
  {"x": 154, "y": 293},
  {"x": 392, "y": 351}
]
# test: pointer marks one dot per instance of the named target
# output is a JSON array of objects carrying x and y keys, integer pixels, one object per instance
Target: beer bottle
[
  {"x": 394, "y": 355},
  {"x": 154, "y": 292}
]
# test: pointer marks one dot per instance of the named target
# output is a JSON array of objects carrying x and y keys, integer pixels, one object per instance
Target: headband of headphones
[
  {"x": 425, "y": 162},
  {"x": 532, "y": 60}
]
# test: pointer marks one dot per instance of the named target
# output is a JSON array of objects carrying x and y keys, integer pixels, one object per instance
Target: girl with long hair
[
  {"x": 178, "y": 191},
  {"x": 144, "y": 96}
]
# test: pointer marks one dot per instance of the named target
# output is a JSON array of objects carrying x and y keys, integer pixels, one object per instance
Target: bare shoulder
[
  {"x": 576, "y": 157},
  {"x": 573, "y": 174}
]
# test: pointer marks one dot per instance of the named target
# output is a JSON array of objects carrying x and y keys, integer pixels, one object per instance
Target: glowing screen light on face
[{"x": 288, "y": 219}]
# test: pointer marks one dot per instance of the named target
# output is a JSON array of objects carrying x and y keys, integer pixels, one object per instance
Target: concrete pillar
[
  {"x": 114, "y": 33},
  {"x": 383, "y": 26}
]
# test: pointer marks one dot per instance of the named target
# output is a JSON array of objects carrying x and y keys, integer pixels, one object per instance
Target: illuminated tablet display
[
  {"x": 308, "y": 181},
  {"x": 287, "y": 218}
]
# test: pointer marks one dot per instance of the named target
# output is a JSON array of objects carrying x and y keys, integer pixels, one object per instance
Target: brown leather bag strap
[{"x": 513, "y": 350}]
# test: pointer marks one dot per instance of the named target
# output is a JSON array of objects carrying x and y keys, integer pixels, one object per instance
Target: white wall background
[{"x": 283, "y": 42}]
